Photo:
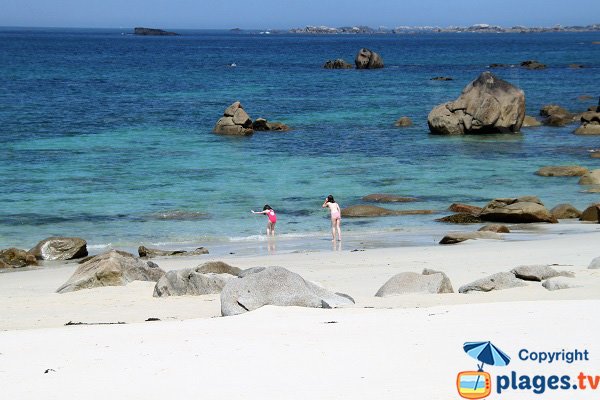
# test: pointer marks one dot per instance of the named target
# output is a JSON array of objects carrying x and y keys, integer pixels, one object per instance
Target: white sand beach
[{"x": 387, "y": 348}]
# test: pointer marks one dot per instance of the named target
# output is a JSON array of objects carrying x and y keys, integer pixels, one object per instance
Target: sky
[{"x": 283, "y": 14}]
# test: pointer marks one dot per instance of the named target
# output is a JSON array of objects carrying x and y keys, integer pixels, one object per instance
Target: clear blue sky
[{"x": 261, "y": 14}]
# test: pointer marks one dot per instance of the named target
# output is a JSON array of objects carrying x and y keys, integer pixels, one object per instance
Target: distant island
[
  {"x": 152, "y": 32},
  {"x": 478, "y": 28}
]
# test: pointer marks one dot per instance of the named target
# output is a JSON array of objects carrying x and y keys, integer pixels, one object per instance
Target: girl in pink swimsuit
[
  {"x": 269, "y": 212},
  {"x": 336, "y": 217}
]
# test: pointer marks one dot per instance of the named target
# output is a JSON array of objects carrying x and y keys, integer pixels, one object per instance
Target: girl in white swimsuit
[{"x": 336, "y": 217}]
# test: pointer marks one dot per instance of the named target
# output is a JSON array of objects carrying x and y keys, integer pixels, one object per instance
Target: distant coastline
[{"x": 477, "y": 28}]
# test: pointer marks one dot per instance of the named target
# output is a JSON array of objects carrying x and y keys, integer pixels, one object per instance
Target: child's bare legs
[
  {"x": 270, "y": 229},
  {"x": 332, "y": 230},
  {"x": 338, "y": 222}
]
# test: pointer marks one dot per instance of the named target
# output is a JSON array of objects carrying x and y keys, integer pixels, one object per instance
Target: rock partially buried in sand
[
  {"x": 565, "y": 211},
  {"x": 458, "y": 237},
  {"x": 191, "y": 282},
  {"x": 562, "y": 170},
  {"x": 149, "y": 253},
  {"x": 486, "y": 105},
  {"x": 429, "y": 281},
  {"x": 538, "y": 272},
  {"x": 111, "y": 269},
  {"x": 460, "y": 218},
  {"x": 388, "y": 198},
  {"x": 499, "y": 281},
  {"x": 16, "y": 258},
  {"x": 591, "y": 213},
  {"x": 275, "y": 286},
  {"x": 374, "y": 211},
  {"x": 522, "y": 210},
  {"x": 218, "y": 267},
  {"x": 595, "y": 264},
  {"x": 497, "y": 228},
  {"x": 561, "y": 283},
  {"x": 235, "y": 121},
  {"x": 60, "y": 248},
  {"x": 367, "y": 59}
]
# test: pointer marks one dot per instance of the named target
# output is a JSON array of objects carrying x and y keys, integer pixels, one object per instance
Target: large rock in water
[
  {"x": 590, "y": 124},
  {"x": 111, "y": 269},
  {"x": 562, "y": 170},
  {"x": 590, "y": 178},
  {"x": 275, "y": 286},
  {"x": 410, "y": 282},
  {"x": 235, "y": 121},
  {"x": 190, "y": 281},
  {"x": 499, "y": 281},
  {"x": 516, "y": 211},
  {"x": 556, "y": 115},
  {"x": 60, "y": 248},
  {"x": 486, "y": 105},
  {"x": 16, "y": 258},
  {"x": 367, "y": 59}
]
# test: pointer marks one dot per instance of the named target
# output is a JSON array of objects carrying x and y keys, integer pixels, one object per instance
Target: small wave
[{"x": 179, "y": 215}]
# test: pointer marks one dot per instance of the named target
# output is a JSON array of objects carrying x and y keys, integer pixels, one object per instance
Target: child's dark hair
[
  {"x": 267, "y": 207},
  {"x": 330, "y": 199}
]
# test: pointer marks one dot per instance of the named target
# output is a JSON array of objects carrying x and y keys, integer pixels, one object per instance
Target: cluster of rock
[
  {"x": 519, "y": 277},
  {"x": 52, "y": 248},
  {"x": 365, "y": 59},
  {"x": 487, "y": 105},
  {"x": 590, "y": 123},
  {"x": 235, "y": 121},
  {"x": 555, "y": 115}
]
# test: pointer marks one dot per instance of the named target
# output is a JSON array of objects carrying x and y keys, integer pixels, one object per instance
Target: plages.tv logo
[{"x": 478, "y": 384}]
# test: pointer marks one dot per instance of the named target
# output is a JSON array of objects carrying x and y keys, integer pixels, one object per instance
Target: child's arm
[
  {"x": 259, "y": 212},
  {"x": 325, "y": 204}
]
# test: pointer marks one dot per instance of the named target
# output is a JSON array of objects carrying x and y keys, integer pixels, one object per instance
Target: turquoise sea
[{"x": 107, "y": 136}]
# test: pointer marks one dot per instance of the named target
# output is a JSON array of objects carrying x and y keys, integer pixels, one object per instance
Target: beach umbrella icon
[{"x": 487, "y": 353}]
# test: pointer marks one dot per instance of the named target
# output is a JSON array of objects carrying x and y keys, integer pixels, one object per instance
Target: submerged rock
[
  {"x": 337, "y": 64},
  {"x": 562, "y": 170},
  {"x": 442, "y": 78},
  {"x": 533, "y": 64},
  {"x": 403, "y": 122},
  {"x": 111, "y": 269},
  {"x": 388, "y": 198},
  {"x": 486, "y": 105},
  {"x": 374, "y": 211}
]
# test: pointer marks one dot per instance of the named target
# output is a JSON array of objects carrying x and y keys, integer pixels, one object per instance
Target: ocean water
[{"x": 107, "y": 136}]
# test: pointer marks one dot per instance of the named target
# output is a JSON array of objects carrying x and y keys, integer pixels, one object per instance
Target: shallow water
[{"x": 108, "y": 136}]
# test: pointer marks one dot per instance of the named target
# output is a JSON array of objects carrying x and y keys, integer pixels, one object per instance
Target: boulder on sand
[
  {"x": 562, "y": 170},
  {"x": 486, "y": 105},
  {"x": 275, "y": 286},
  {"x": 235, "y": 121},
  {"x": 499, "y": 281},
  {"x": 149, "y": 253},
  {"x": 497, "y": 228},
  {"x": 565, "y": 211},
  {"x": 111, "y": 269},
  {"x": 561, "y": 283},
  {"x": 218, "y": 267},
  {"x": 521, "y": 210},
  {"x": 60, "y": 248},
  {"x": 595, "y": 264},
  {"x": 16, "y": 258},
  {"x": 429, "y": 281},
  {"x": 374, "y": 211},
  {"x": 591, "y": 213},
  {"x": 191, "y": 282},
  {"x": 458, "y": 237},
  {"x": 367, "y": 59},
  {"x": 538, "y": 272}
]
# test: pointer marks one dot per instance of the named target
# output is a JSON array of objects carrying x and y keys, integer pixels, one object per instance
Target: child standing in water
[
  {"x": 272, "y": 218},
  {"x": 336, "y": 217}
]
